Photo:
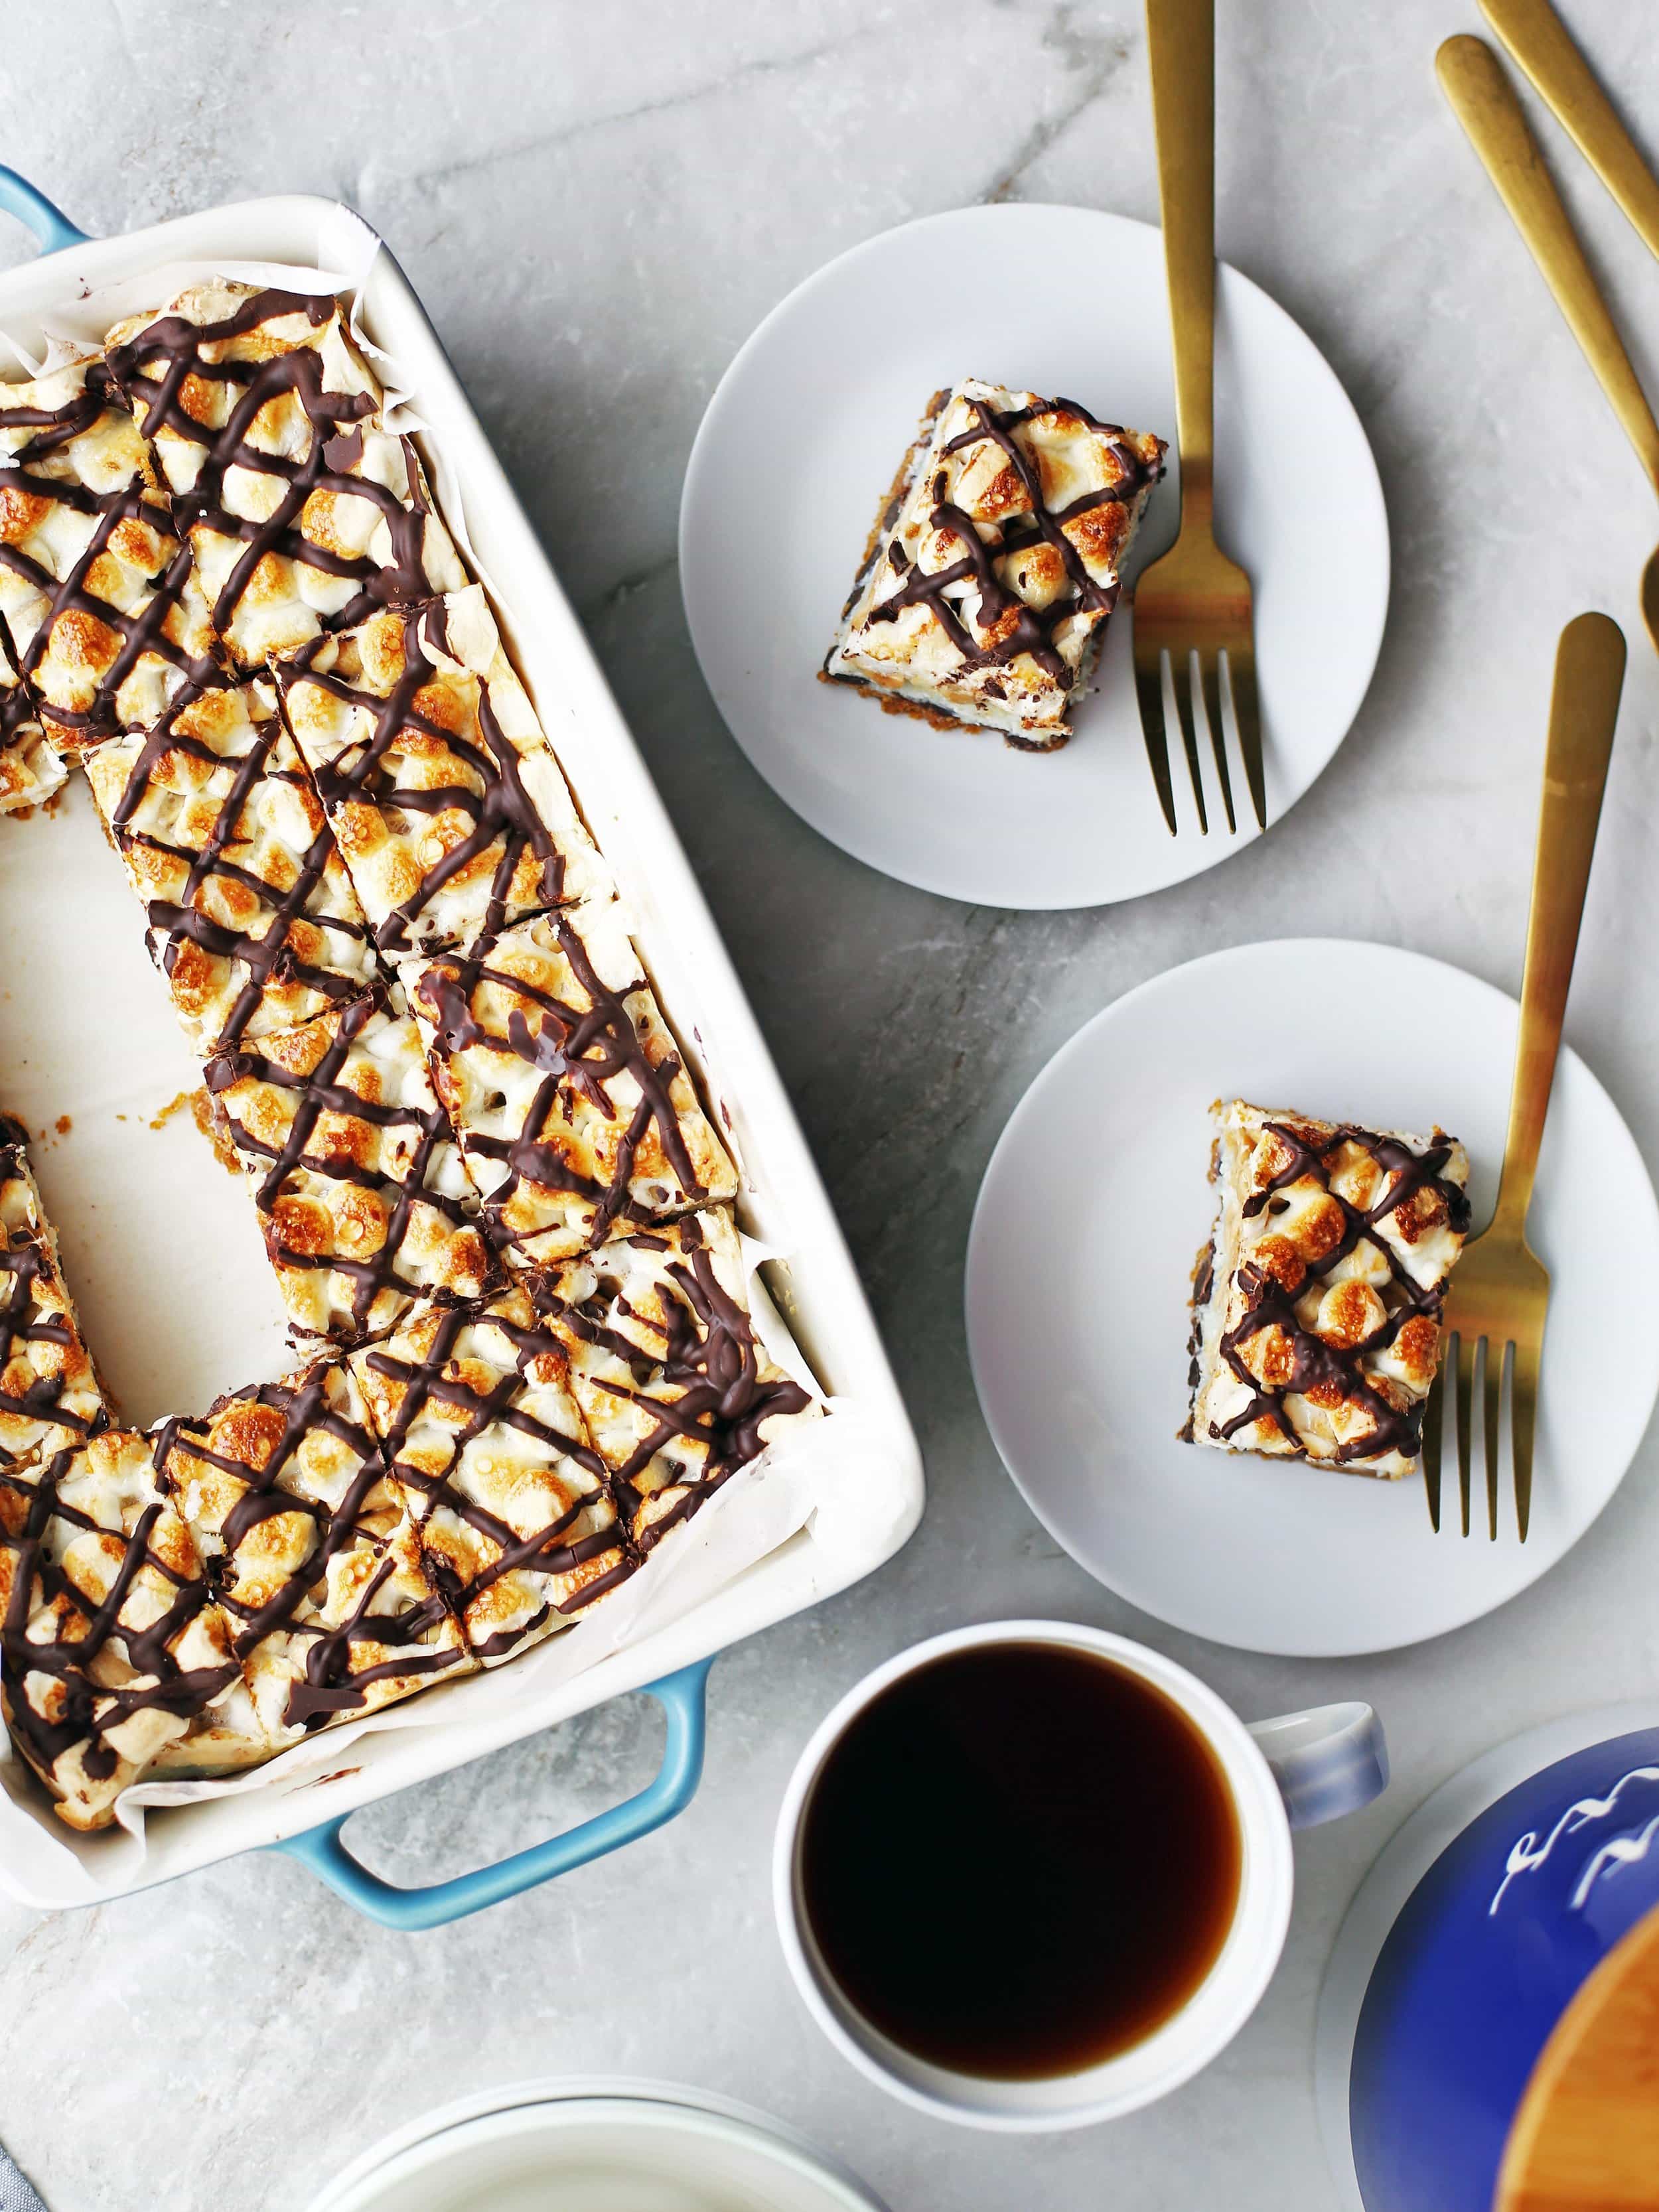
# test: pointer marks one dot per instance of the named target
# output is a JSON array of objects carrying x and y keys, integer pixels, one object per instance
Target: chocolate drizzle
[
  {"x": 133, "y": 635},
  {"x": 1335, "y": 1373},
  {"x": 36, "y": 1385},
  {"x": 493, "y": 797},
  {"x": 702, "y": 1386},
  {"x": 580, "y": 1050},
  {"x": 269, "y": 953},
  {"x": 1004, "y": 624},
  {"x": 33, "y": 1520},
  {"x": 439, "y": 1380},
  {"x": 329, "y": 1679},
  {"x": 325, "y": 1091},
  {"x": 156, "y": 371}
]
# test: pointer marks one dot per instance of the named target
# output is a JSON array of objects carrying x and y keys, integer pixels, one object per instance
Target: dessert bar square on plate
[
  {"x": 568, "y": 1093},
  {"x": 304, "y": 511},
  {"x": 115, "y": 1658},
  {"x": 1318, "y": 1308},
  {"x": 996, "y": 562},
  {"x": 677, "y": 1390},
  {"x": 488, "y": 1451},
  {"x": 50, "y": 1398},
  {"x": 366, "y": 1206},
  {"x": 312, "y": 1561},
  {"x": 97, "y": 594},
  {"x": 252, "y": 918},
  {"x": 452, "y": 812}
]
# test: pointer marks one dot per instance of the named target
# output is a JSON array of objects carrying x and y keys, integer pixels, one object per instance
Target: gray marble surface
[{"x": 597, "y": 204}]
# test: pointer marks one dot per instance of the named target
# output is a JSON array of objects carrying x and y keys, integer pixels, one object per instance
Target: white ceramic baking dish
[{"x": 783, "y": 1204}]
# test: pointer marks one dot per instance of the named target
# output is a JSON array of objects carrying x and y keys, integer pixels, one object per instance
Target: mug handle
[{"x": 1327, "y": 1762}]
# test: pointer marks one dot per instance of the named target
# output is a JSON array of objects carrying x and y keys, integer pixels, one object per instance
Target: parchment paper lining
[{"x": 829, "y": 1481}]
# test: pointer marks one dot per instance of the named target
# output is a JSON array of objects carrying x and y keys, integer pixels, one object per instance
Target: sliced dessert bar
[
  {"x": 451, "y": 811},
  {"x": 115, "y": 1658},
  {"x": 31, "y": 765},
  {"x": 317, "y": 1569},
  {"x": 994, "y": 562},
  {"x": 365, "y": 1205},
  {"x": 50, "y": 1398},
  {"x": 104, "y": 614},
  {"x": 568, "y": 1092},
  {"x": 304, "y": 511},
  {"x": 252, "y": 918},
  {"x": 1318, "y": 1306},
  {"x": 677, "y": 1392},
  {"x": 487, "y": 1447}
]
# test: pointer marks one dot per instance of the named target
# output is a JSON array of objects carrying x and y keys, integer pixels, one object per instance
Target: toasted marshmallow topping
[
  {"x": 1318, "y": 1308},
  {"x": 303, "y": 511},
  {"x": 97, "y": 593},
  {"x": 252, "y": 919},
  {"x": 991, "y": 575},
  {"x": 488, "y": 1449},
  {"x": 311, "y": 1560},
  {"x": 50, "y": 1396},
  {"x": 677, "y": 1392},
  {"x": 365, "y": 1205},
  {"x": 567, "y": 1089},
  {"x": 453, "y": 814}
]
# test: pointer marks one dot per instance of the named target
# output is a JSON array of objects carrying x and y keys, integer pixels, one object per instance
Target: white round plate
[
  {"x": 595, "y": 2146},
  {"x": 1095, "y": 1203},
  {"x": 800, "y": 441}
]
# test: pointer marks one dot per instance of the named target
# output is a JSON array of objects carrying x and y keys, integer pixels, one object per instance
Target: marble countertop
[{"x": 596, "y": 215}]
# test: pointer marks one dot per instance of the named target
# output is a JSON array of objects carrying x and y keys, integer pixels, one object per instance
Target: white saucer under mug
[
  {"x": 1095, "y": 1205},
  {"x": 802, "y": 438}
]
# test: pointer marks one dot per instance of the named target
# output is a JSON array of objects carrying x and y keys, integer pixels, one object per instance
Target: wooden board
[{"x": 1586, "y": 2138}]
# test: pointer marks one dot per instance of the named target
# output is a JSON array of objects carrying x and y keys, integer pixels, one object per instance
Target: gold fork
[
  {"x": 1500, "y": 1288},
  {"x": 1485, "y": 103},
  {"x": 1195, "y": 600}
]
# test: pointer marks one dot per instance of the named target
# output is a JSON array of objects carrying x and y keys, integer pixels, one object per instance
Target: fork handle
[
  {"x": 1590, "y": 673},
  {"x": 1484, "y": 102},
  {"x": 1538, "y": 39},
  {"x": 1181, "y": 48}
]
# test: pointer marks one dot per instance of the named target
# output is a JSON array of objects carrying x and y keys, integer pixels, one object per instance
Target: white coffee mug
[{"x": 1293, "y": 1771}]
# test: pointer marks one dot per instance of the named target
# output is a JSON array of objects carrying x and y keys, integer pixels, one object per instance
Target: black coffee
[{"x": 1020, "y": 1860}]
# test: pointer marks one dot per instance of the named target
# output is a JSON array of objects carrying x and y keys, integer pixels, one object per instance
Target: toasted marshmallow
[
  {"x": 568, "y": 1091},
  {"x": 487, "y": 1451},
  {"x": 50, "y": 1398},
  {"x": 677, "y": 1390},
  {"x": 995, "y": 562},
  {"x": 103, "y": 610},
  {"x": 1319, "y": 1306},
  {"x": 304, "y": 511},
  {"x": 366, "y": 1206},
  {"x": 453, "y": 816},
  {"x": 316, "y": 1568},
  {"x": 115, "y": 1656},
  {"x": 252, "y": 919}
]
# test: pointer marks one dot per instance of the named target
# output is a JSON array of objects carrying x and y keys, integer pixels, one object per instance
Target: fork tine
[
  {"x": 1434, "y": 1414},
  {"x": 1181, "y": 675},
  {"x": 1246, "y": 713},
  {"x": 1209, "y": 671},
  {"x": 1149, "y": 690},
  {"x": 1465, "y": 1405},
  {"x": 1494, "y": 1397},
  {"x": 1523, "y": 1424}
]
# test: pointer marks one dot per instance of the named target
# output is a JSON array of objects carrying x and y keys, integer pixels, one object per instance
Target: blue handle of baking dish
[
  {"x": 50, "y": 224},
  {"x": 681, "y": 1697}
]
